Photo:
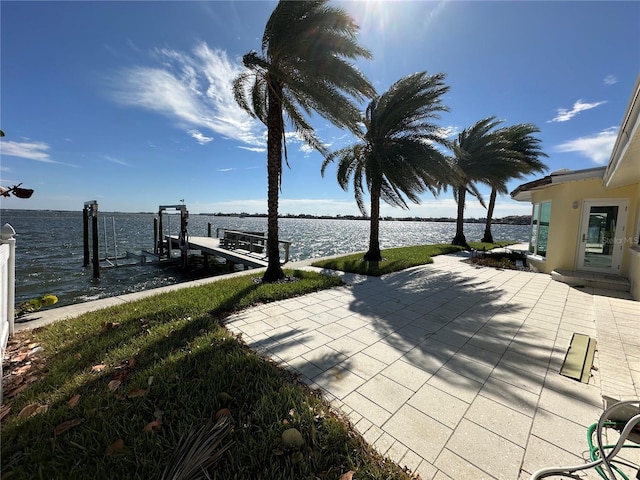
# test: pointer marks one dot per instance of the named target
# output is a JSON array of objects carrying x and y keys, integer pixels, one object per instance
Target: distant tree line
[{"x": 508, "y": 220}]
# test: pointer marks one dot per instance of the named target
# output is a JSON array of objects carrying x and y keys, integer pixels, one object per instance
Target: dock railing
[
  {"x": 7, "y": 286},
  {"x": 253, "y": 242}
]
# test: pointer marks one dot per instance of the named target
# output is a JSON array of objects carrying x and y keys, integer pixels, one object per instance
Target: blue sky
[{"x": 129, "y": 103}]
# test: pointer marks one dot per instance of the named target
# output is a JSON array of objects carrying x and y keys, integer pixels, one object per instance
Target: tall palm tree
[
  {"x": 523, "y": 159},
  {"x": 478, "y": 156},
  {"x": 304, "y": 68},
  {"x": 396, "y": 156}
]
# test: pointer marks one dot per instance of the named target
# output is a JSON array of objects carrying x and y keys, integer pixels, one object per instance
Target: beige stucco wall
[
  {"x": 632, "y": 250},
  {"x": 564, "y": 224}
]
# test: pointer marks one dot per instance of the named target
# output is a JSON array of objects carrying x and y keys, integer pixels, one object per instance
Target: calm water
[{"x": 49, "y": 251}]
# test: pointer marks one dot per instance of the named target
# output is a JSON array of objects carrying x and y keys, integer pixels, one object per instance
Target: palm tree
[
  {"x": 304, "y": 68},
  {"x": 478, "y": 156},
  {"x": 396, "y": 156},
  {"x": 523, "y": 159}
]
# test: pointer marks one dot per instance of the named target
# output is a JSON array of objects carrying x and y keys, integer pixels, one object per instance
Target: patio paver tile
[
  {"x": 339, "y": 381},
  {"x": 510, "y": 396},
  {"x": 439, "y": 405},
  {"x": 542, "y": 454},
  {"x": 364, "y": 365},
  {"x": 525, "y": 379},
  {"x": 559, "y": 431},
  {"x": 455, "y": 384},
  {"x": 502, "y": 420},
  {"x": 419, "y": 432},
  {"x": 385, "y": 392},
  {"x": 408, "y": 375},
  {"x": 486, "y": 450},
  {"x": 372, "y": 412},
  {"x": 569, "y": 407},
  {"x": 458, "y": 468}
]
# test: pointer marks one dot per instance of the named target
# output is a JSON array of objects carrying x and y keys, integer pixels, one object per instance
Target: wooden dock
[{"x": 213, "y": 246}]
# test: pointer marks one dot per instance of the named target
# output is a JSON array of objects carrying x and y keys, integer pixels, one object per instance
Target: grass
[
  {"x": 483, "y": 246},
  {"x": 395, "y": 259},
  {"x": 112, "y": 393}
]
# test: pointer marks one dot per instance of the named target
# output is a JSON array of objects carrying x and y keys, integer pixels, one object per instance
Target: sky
[{"x": 129, "y": 103}]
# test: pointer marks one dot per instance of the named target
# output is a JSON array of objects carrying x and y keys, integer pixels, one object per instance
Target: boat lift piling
[
  {"x": 183, "y": 235},
  {"x": 91, "y": 210},
  {"x": 233, "y": 247}
]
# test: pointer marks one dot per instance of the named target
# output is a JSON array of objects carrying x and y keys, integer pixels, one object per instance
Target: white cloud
[
  {"x": 200, "y": 138},
  {"x": 597, "y": 147},
  {"x": 193, "y": 88},
  {"x": 610, "y": 80},
  {"x": 117, "y": 161},
  {"x": 580, "y": 106},
  {"x": 254, "y": 149},
  {"x": 32, "y": 150}
]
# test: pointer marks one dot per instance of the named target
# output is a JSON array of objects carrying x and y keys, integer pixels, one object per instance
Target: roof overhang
[
  {"x": 624, "y": 165},
  {"x": 524, "y": 192}
]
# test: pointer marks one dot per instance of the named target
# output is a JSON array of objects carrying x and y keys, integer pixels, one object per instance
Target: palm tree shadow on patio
[{"x": 467, "y": 333}]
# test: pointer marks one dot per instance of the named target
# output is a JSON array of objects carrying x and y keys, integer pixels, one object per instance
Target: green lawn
[
  {"x": 395, "y": 259},
  {"x": 113, "y": 391}
]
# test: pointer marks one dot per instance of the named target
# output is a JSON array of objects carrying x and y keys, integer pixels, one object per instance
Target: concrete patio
[
  {"x": 452, "y": 370},
  {"x": 449, "y": 369}
]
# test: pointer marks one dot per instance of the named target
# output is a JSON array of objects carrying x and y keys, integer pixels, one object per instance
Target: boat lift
[{"x": 183, "y": 234}]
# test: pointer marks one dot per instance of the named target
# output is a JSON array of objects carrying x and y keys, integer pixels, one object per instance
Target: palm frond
[{"x": 199, "y": 450}]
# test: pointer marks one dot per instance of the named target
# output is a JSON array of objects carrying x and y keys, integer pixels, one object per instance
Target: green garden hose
[{"x": 594, "y": 450}]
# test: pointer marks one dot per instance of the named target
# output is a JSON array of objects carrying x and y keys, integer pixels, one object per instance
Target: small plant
[
  {"x": 508, "y": 261},
  {"x": 35, "y": 304}
]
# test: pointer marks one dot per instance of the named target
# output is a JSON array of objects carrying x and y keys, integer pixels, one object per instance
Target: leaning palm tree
[
  {"x": 478, "y": 156},
  {"x": 523, "y": 159},
  {"x": 304, "y": 68},
  {"x": 397, "y": 155}
]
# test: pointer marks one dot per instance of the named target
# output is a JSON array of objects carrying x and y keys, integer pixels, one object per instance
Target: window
[{"x": 540, "y": 228}]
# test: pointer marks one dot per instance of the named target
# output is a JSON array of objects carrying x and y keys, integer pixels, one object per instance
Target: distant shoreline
[{"x": 508, "y": 220}]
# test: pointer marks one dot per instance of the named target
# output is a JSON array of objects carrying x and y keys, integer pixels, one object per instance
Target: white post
[{"x": 7, "y": 236}]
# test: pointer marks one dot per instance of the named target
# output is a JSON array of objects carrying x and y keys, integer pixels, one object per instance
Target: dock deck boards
[{"x": 211, "y": 246}]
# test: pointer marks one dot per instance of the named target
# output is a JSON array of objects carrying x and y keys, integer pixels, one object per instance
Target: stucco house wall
[
  {"x": 564, "y": 224},
  {"x": 632, "y": 248}
]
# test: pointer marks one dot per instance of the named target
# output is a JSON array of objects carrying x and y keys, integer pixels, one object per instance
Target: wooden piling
[{"x": 85, "y": 235}]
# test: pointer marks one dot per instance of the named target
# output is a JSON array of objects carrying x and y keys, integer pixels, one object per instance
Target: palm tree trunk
[
  {"x": 274, "y": 167},
  {"x": 459, "y": 239},
  {"x": 488, "y": 237},
  {"x": 374, "y": 254}
]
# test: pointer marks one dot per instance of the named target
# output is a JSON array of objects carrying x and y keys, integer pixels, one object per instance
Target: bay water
[{"x": 49, "y": 246}]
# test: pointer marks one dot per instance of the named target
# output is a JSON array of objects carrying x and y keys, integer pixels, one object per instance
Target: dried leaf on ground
[
  {"x": 137, "y": 392},
  {"x": 223, "y": 412},
  {"x": 115, "y": 447},
  {"x": 347, "y": 476},
  {"x": 23, "y": 369},
  {"x": 153, "y": 426},
  {"x": 15, "y": 391},
  {"x": 130, "y": 363},
  {"x": 4, "y": 411},
  {"x": 73, "y": 401},
  {"x": 19, "y": 357},
  {"x": 98, "y": 368},
  {"x": 41, "y": 409},
  {"x": 64, "y": 426},
  {"x": 113, "y": 385},
  {"x": 29, "y": 410}
]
